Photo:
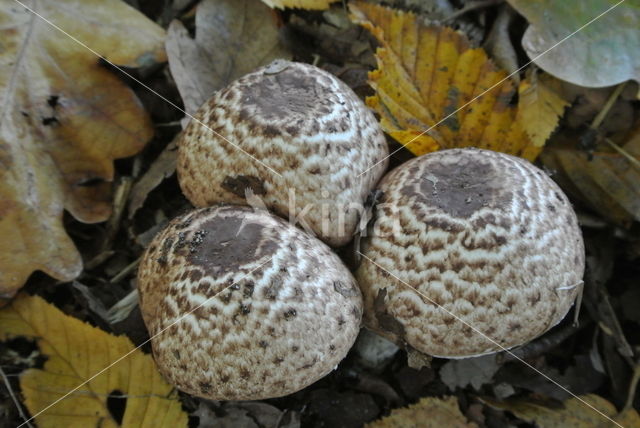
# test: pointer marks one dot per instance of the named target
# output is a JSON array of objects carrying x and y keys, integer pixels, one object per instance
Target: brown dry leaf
[
  {"x": 76, "y": 351},
  {"x": 63, "y": 120},
  {"x": 608, "y": 182},
  {"x": 574, "y": 413},
  {"x": 233, "y": 37},
  {"x": 163, "y": 167},
  {"x": 300, "y": 4},
  {"x": 221, "y": 52},
  {"x": 429, "y": 412},
  {"x": 425, "y": 73},
  {"x": 539, "y": 107}
]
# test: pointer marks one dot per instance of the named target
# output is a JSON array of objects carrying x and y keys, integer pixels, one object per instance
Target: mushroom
[
  {"x": 241, "y": 305},
  {"x": 472, "y": 252},
  {"x": 286, "y": 127}
]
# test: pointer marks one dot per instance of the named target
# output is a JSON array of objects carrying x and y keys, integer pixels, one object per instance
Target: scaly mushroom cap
[
  {"x": 488, "y": 236},
  {"x": 279, "y": 309},
  {"x": 303, "y": 123}
]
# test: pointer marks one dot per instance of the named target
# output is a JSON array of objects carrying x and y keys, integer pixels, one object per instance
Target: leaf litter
[{"x": 599, "y": 357}]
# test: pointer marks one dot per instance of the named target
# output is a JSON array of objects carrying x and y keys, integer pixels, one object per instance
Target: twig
[
  {"x": 541, "y": 345},
  {"x": 119, "y": 203},
  {"x": 633, "y": 385},
  {"x": 597, "y": 121},
  {"x": 14, "y": 398},
  {"x": 122, "y": 308},
  {"x": 623, "y": 152},
  {"x": 124, "y": 272},
  {"x": 99, "y": 259}
]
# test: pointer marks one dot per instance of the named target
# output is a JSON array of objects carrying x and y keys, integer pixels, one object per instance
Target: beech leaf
[
  {"x": 76, "y": 351},
  {"x": 539, "y": 108},
  {"x": 573, "y": 414},
  {"x": 426, "y": 75},
  {"x": 429, "y": 412}
]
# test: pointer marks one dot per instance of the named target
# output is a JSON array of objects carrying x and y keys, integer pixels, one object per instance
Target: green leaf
[{"x": 604, "y": 53}]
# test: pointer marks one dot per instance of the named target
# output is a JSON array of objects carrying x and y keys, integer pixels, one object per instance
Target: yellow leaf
[
  {"x": 76, "y": 351},
  {"x": 425, "y": 74},
  {"x": 539, "y": 108},
  {"x": 430, "y": 412},
  {"x": 63, "y": 120},
  {"x": 299, "y": 4},
  {"x": 573, "y": 414},
  {"x": 608, "y": 180}
]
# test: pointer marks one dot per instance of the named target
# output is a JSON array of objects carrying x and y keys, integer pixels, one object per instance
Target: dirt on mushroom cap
[
  {"x": 278, "y": 309},
  {"x": 487, "y": 236}
]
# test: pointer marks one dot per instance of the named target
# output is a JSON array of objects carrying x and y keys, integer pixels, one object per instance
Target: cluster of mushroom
[{"x": 470, "y": 252}]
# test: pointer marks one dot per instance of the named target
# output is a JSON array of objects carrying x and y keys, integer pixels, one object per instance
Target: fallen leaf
[
  {"x": 64, "y": 119},
  {"x": 331, "y": 408},
  {"x": 573, "y": 414},
  {"x": 300, "y": 4},
  {"x": 608, "y": 182},
  {"x": 603, "y": 53},
  {"x": 498, "y": 42},
  {"x": 430, "y": 412},
  {"x": 75, "y": 352},
  {"x": 241, "y": 414},
  {"x": 221, "y": 52},
  {"x": 539, "y": 108},
  {"x": 425, "y": 74},
  {"x": 469, "y": 371},
  {"x": 163, "y": 167},
  {"x": 233, "y": 37}
]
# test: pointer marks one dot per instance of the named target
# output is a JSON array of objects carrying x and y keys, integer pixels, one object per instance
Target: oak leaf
[
  {"x": 426, "y": 76},
  {"x": 75, "y": 352},
  {"x": 429, "y": 412},
  {"x": 63, "y": 120}
]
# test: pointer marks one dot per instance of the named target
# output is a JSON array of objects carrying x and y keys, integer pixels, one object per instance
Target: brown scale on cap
[
  {"x": 488, "y": 236},
  {"x": 303, "y": 123},
  {"x": 280, "y": 309}
]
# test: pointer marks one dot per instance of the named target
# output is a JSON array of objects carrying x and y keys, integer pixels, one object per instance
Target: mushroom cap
[
  {"x": 487, "y": 236},
  {"x": 300, "y": 121},
  {"x": 278, "y": 309}
]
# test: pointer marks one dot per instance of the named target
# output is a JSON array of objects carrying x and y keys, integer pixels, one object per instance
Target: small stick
[
  {"x": 632, "y": 388},
  {"x": 541, "y": 345},
  {"x": 124, "y": 272},
  {"x": 623, "y": 152},
  {"x": 597, "y": 121},
  {"x": 119, "y": 203},
  {"x": 14, "y": 398}
]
